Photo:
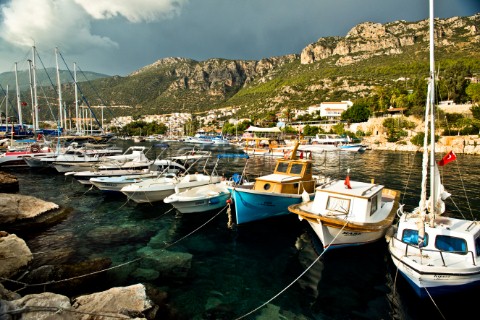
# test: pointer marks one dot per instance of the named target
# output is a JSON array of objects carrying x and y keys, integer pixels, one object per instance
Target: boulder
[
  {"x": 8, "y": 183},
  {"x": 21, "y": 212},
  {"x": 127, "y": 302},
  {"x": 45, "y": 305},
  {"x": 14, "y": 254}
]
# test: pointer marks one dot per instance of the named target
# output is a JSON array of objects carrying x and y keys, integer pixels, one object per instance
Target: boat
[
  {"x": 271, "y": 194},
  {"x": 15, "y": 157},
  {"x": 162, "y": 168},
  {"x": 436, "y": 254},
  {"x": 157, "y": 189},
  {"x": 332, "y": 142},
  {"x": 348, "y": 213},
  {"x": 85, "y": 160},
  {"x": 206, "y": 197}
]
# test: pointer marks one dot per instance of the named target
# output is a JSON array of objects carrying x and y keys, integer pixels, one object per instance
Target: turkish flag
[
  {"x": 449, "y": 157},
  {"x": 24, "y": 103},
  {"x": 347, "y": 182}
]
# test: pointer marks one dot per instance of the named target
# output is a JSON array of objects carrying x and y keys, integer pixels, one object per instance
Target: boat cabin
[
  {"x": 463, "y": 236},
  {"x": 360, "y": 203},
  {"x": 289, "y": 176}
]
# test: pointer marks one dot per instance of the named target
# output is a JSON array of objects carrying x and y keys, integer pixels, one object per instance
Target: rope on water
[
  {"x": 25, "y": 285},
  {"x": 436, "y": 306},
  {"x": 297, "y": 278}
]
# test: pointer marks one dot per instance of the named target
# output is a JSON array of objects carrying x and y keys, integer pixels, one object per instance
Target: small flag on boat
[
  {"x": 24, "y": 103},
  {"x": 449, "y": 157},
  {"x": 347, "y": 180}
]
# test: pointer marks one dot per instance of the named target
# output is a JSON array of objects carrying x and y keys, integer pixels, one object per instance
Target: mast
[
  {"x": 30, "y": 76},
  {"x": 59, "y": 85},
  {"x": 19, "y": 103},
  {"x": 35, "y": 99},
  {"x": 77, "y": 124},
  {"x": 433, "y": 195}
]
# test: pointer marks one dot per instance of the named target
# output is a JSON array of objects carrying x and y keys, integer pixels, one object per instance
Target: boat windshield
[{"x": 282, "y": 167}]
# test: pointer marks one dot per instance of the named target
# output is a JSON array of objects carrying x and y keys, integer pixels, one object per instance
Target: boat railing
[{"x": 440, "y": 252}]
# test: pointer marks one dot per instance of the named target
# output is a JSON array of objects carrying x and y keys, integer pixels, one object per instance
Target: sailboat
[{"x": 436, "y": 254}]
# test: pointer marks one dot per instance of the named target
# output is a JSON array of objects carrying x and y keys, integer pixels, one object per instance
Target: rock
[
  {"x": 128, "y": 302},
  {"x": 45, "y": 305},
  {"x": 170, "y": 265},
  {"x": 8, "y": 183},
  {"x": 75, "y": 272},
  {"x": 14, "y": 255},
  {"x": 7, "y": 294},
  {"x": 20, "y": 212}
]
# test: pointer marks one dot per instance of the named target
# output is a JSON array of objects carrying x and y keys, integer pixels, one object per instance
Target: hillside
[{"x": 369, "y": 57}]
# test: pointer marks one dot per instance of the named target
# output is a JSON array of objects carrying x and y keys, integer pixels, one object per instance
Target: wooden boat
[
  {"x": 347, "y": 213},
  {"x": 271, "y": 194},
  {"x": 438, "y": 255}
]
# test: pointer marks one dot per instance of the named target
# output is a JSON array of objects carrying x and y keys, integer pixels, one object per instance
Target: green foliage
[
  {"x": 359, "y": 112},
  {"x": 396, "y": 128},
  {"x": 338, "y": 128},
  {"x": 454, "y": 81},
  {"x": 310, "y": 130},
  {"x": 138, "y": 128},
  {"x": 473, "y": 91}
]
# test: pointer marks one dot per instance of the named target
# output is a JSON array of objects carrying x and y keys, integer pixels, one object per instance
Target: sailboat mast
[
  {"x": 59, "y": 85},
  {"x": 19, "y": 103},
  {"x": 431, "y": 97},
  {"x": 35, "y": 99},
  {"x": 77, "y": 124}
]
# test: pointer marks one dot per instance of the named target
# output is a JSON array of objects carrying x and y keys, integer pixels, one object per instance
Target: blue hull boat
[{"x": 251, "y": 205}]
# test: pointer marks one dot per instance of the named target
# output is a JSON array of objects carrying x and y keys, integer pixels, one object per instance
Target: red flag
[
  {"x": 347, "y": 182},
  {"x": 24, "y": 103},
  {"x": 449, "y": 157}
]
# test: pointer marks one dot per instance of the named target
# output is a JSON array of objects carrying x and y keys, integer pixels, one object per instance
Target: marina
[{"x": 234, "y": 271}]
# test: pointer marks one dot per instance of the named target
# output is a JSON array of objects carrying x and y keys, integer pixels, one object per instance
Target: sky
[{"x": 118, "y": 37}]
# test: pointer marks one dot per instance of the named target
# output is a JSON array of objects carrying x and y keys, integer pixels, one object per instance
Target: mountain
[
  {"x": 45, "y": 78},
  {"x": 370, "y": 56}
]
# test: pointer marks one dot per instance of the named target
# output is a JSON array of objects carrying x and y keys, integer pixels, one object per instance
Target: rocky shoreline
[{"x": 19, "y": 273}]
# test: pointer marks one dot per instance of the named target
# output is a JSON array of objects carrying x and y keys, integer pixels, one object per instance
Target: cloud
[
  {"x": 134, "y": 11},
  {"x": 68, "y": 23}
]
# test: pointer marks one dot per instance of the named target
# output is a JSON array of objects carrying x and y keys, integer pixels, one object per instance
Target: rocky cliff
[{"x": 369, "y": 39}]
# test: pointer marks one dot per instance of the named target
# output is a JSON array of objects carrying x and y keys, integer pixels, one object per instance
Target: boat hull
[
  {"x": 338, "y": 237},
  {"x": 427, "y": 281},
  {"x": 202, "y": 205},
  {"x": 251, "y": 205}
]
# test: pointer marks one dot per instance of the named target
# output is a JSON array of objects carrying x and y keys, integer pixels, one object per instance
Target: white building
[{"x": 334, "y": 110}]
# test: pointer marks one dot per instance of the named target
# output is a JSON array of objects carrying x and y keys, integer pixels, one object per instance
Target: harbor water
[{"x": 257, "y": 270}]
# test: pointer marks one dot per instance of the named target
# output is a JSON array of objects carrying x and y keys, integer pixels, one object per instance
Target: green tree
[
  {"x": 454, "y": 81},
  {"x": 473, "y": 91},
  {"x": 359, "y": 112}
]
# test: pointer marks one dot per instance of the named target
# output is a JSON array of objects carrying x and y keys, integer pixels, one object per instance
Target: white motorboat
[
  {"x": 116, "y": 183},
  {"x": 133, "y": 158},
  {"x": 205, "y": 197},
  {"x": 200, "y": 199},
  {"x": 159, "y": 188},
  {"x": 437, "y": 254},
  {"x": 348, "y": 213}
]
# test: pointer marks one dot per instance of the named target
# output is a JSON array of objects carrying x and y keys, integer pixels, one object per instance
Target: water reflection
[{"x": 232, "y": 272}]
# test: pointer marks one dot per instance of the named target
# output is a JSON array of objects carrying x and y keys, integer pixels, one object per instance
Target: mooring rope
[
  {"x": 25, "y": 285},
  {"x": 297, "y": 278}
]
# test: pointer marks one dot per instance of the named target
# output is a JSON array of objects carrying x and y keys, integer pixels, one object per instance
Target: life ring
[{"x": 35, "y": 148}]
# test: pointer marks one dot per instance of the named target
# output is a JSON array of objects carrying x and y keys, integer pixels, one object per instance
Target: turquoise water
[{"x": 227, "y": 273}]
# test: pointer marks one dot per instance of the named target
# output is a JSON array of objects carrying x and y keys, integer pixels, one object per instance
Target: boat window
[
  {"x": 266, "y": 186},
  {"x": 338, "y": 204},
  {"x": 411, "y": 237},
  {"x": 373, "y": 207},
  {"x": 296, "y": 168},
  {"x": 308, "y": 170},
  {"x": 477, "y": 246},
  {"x": 282, "y": 167},
  {"x": 452, "y": 244}
]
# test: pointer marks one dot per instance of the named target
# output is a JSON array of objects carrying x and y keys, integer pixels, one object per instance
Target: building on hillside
[{"x": 333, "y": 110}]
